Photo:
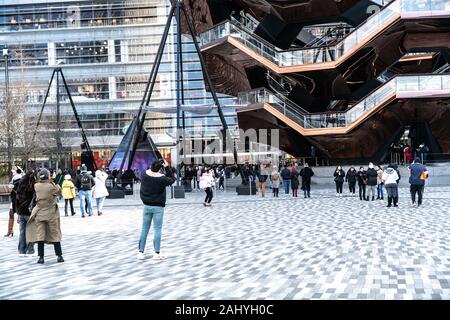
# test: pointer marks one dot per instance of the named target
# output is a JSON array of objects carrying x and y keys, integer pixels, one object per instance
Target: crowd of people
[
  {"x": 35, "y": 196},
  {"x": 401, "y": 153},
  {"x": 374, "y": 180}
]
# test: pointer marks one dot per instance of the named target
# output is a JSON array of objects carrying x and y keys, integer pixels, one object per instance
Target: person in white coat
[
  {"x": 207, "y": 183},
  {"x": 99, "y": 191},
  {"x": 391, "y": 179}
]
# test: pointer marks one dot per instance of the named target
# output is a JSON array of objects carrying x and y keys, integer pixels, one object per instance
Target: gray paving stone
[{"x": 247, "y": 248}]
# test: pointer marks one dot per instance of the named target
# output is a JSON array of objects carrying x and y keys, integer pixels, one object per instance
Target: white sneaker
[
  {"x": 22, "y": 255},
  {"x": 157, "y": 256},
  {"x": 140, "y": 256},
  {"x": 337, "y": 194}
]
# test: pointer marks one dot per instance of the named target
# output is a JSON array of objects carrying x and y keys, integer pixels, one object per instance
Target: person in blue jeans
[
  {"x": 286, "y": 176},
  {"x": 84, "y": 183},
  {"x": 153, "y": 196}
]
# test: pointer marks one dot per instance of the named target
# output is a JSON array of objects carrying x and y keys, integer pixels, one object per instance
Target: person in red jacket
[{"x": 408, "y": 155}]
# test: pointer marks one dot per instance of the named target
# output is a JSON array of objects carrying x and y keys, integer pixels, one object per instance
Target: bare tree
[{"x": 12, "y": 123}]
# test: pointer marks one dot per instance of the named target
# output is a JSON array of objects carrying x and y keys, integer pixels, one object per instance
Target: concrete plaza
[{"x": 246, "y": 248}]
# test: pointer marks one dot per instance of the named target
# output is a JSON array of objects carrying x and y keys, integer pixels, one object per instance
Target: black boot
[
  {"x": 66, "y": 214},
  {"x": 395, "y": 201},
  {"x": 373, "y": 198},
  {"x": 389, "y": 202},
  {"x": 60, "y": 259},
  {"x": 41, "y": 260}
]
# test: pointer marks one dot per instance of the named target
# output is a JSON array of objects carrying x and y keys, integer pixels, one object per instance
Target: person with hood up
[
  {"x": 44, "y": 224},
  {"x": 391, "y": 178},
  {"x": 13, "y": 185},
  {"x": 371, "y": 175},
  {"x": 99, "y": 191}
]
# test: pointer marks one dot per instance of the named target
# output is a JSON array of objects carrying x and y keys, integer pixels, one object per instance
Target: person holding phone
[{"x": 339, "y": 176}]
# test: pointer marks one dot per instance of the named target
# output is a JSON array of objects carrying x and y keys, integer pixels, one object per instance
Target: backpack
[{"x": 86, "y": 183}]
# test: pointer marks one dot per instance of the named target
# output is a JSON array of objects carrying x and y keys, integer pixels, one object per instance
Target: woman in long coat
[
  {"x": 294, "y": 181},
  {"x": 44, "y": 224}
]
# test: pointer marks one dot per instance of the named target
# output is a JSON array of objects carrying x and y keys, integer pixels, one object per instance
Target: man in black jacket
[
  {"x": 371, "y": 175},
  {"x": 84, "y": 183},
  {"x": 362, "y": 182},
  {"x": 306, "y": 173},
  {"x": 350, "y": 177},
  {"x": 153, "y": 195}
]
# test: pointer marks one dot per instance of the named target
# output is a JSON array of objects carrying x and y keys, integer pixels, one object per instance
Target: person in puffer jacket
[{"x": 391, "y": 178}]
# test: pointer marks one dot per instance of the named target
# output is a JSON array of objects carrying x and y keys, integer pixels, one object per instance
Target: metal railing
[
  {"x": 373, "y": 25},
  {"x": 327, "y": 35},
  {"x": 438, "y": 83},
  {"x": 282, "y": 104}
]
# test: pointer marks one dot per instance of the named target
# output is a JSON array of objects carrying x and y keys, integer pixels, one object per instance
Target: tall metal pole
[
  {"x": 138, "y": 122},
  {"x": 77, "y": 117},
  {"x": 58, "y": 122},
  {"x": 8, "y": 113},
  {"x": 179, "y": 71}
]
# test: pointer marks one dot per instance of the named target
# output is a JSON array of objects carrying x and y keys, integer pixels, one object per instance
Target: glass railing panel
[
  {"x": 446, "y": 82},
  {"x": 354, "y": 113},
  {"x": 416, "y": 5},
  {"x": 407, "y": 83},
  {"x": 430, "y": 83},
  {"x": 425, "y": 6}
]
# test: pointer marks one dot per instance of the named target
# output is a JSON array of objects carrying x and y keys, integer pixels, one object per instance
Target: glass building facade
[{"x": 106, "y": 50}]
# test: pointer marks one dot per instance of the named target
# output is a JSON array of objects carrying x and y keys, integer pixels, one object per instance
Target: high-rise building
[{"x": 106, "y": 50}]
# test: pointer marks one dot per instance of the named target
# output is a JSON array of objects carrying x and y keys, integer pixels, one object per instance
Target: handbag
[{"x": 424, "y": 175}]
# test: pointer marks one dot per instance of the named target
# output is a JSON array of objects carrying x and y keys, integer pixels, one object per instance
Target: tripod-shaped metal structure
[
  {"x": 59, "y": 74},
  {"x": 178, "y": 9}
]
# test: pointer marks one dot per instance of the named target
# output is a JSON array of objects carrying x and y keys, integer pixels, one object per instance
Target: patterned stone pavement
[{"x": 246, "y": 248}]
